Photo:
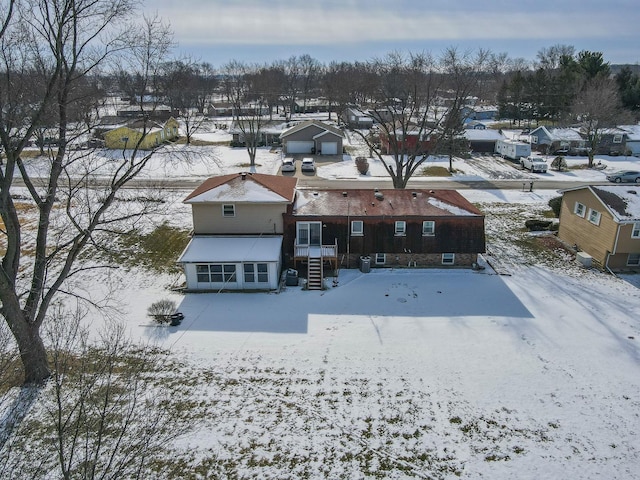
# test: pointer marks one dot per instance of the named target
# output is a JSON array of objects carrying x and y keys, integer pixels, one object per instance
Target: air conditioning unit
[{"x": 584, "y": 259}]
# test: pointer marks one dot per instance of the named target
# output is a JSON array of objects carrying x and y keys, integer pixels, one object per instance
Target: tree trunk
[{"x": 32, "y": 352}]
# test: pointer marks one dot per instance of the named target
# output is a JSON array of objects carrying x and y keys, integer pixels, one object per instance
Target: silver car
[
  {"x": 288, "y": 165},
  {"x": 624, "y": 176}
]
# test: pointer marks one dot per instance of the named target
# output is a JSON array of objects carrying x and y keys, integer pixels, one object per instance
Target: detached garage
[
  {"x": 312, "y": 137},
  {"x": 232, "y": 263}
]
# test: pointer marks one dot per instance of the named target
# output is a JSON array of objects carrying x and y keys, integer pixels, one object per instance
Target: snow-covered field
[{"x": 528, "y": 371}]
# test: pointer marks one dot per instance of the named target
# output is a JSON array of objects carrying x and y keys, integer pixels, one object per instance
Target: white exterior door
[
  {"x": 299, "y": 147},
  {"x": 329, "y": 148}
]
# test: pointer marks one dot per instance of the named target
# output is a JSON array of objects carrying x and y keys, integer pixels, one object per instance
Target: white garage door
[
  {"x": 329, "y": 148},
  {"x": 299, "y": 147}
]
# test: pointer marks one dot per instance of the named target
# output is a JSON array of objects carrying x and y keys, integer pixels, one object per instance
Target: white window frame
[
  {"x": 636, "y": 260},
  {"x": 534, "y": 139},
  {"x": 617, "y": 138},
  {"x": 402, "y": 231},
  {"x": 635, "y": 230},
  {"x": 255, "y": 272},
  {"x": 381, "y": 258},
  {"x": 227, "y": 273},
  {"x": 448, "y": 259},
  {"x": 228, "y": 210},
  {"x": 357, "y": 228},
  {"x": 594, "y": 216},
  {"x": 580, "y": 209},
  {"x": 428, "y": 228}
]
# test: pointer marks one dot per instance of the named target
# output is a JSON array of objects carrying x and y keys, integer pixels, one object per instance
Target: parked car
[
  {"x": 535, "y": 164},
  {"x": 624, "y": 176},
  {"x": 288, "y": 165},
  {"x": 308, "y": 165}
]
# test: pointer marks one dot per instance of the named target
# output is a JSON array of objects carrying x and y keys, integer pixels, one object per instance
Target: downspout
[{"x": 615, "y": 248}]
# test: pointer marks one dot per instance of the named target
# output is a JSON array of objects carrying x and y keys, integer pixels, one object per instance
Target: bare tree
[
  {"x": 65, "y": 41},
  {"x": 248, "y": 106},
  {"x": 412, "y": 103},
  {"x": 597, "y": 108}
]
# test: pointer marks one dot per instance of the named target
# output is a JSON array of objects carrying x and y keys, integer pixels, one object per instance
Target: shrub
[
  {"x": 162, "y": 310},
  {"x": 555, "y": 203},
  {"x": 536, "y": 225},
  {"x": 559, "y": 164}
]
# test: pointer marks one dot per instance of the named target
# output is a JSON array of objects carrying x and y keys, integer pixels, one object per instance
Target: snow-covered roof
[
  {"x": 308, "y": 123},
  {"x": 204, "y": 249},
  {"x": 622, "y": 201},
  {"x": 632, "y": 131},
  {"x": 384, "y": 202},
  {"x": 245, "y": 188},
  {"x": 482, "y": 134},
  {"x": 560, "y": 133}
]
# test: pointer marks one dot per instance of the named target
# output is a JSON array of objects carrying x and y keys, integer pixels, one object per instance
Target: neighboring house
[
  {"x": 269, "y": 133},
  {"x": 633, "y": 139},
  {"x": 148, "y": 134},
  {"x": 556, "y": 140},
  {"x": 227, "y": 109},
  {"x": 612, "y": 141},
  {"x": 160, "y": 113},
  {"x": 604, "y": 222},
  {"x": 483, "y": 140},
  {"x": 418, "y": 228},
  {"x": 312, "y": 105},
  {"x": 355, "y": 118},
  {"x": 407, "y": 139},
  {"x": 488, "y": 112},
  {"x": 312, "y": 137},
  {"x": 237, "y": 232}
]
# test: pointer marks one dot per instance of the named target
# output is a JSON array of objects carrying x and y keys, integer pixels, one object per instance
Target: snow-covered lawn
[
  {"x": 409, "y": 373},
  {"x": 531, "y": 370}
]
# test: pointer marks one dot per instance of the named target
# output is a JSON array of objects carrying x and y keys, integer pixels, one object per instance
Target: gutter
[{"x": 615, "y": 248}]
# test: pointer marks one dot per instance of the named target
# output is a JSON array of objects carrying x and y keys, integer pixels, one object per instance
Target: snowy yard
[
  {"x": 415, "y": 373},
  {"x": 531, "y": 370}
]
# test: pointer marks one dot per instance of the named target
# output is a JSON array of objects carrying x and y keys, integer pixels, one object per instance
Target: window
[
  {"x": 216, "y": 273},
  {"x": 357, "y": 228},
  {"x": 594, "y": 216},
  {"x": 534, "y": 139},
  {"x": 428, "y": 228},
  {"x": 256, "y": 272},
  {"x": 381, "y": 258},
  {"x": 448, "y": 258},
  {"x": 401, "y": 227},
  {"x": 228, "y": 210},
  {"x": 635, "y": 233},
  {"x": 617, "y": 138},
  {"x": 579, "y": 209},
  {"x": 633, "y": 260},
  {"x": 309, "y": 233}
]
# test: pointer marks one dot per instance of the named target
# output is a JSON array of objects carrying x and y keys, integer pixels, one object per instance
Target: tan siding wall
[
  {"x": 626, "y": 244},
  {"x": 249, "y": 219},
  {"x": 595, "y": 240}
]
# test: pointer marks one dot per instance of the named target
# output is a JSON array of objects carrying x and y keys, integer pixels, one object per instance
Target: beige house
[
  {"x": 237, "y": 232},
  {"x": 604, "y": 222}
]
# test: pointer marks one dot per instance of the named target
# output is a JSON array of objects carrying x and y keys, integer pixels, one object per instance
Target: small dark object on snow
[{"x": 176, "y": 319}]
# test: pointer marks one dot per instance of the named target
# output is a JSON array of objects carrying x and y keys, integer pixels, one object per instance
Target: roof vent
[
  {"x": 243, "y": 175},
  {"x": 414, "y": 194},
  {"x": 344, "y": 194},
  {"x": 378, "y": 194},
  {"x": 315, "y": 194},
  {"x": 633, "y": 192},
  {"x": 431, "y": 191}
]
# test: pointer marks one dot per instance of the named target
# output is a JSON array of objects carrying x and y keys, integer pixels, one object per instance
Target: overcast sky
[{"x": 262, "y": 31}]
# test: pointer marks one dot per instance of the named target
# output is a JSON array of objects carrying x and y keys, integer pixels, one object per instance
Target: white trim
[
  {"x": 594, "y": 216},
  {"x": 448, "y": 259},
  {"x": 581, "y": 212},
  {"x": 357, "y": 232},
  {"x": 402, "y": 231},
  {"x": 225, "y": 212},
  {"x": 432, "y": 230},
  {"x": 635, "y": 230},
  {"x": 384, "y": 258}
]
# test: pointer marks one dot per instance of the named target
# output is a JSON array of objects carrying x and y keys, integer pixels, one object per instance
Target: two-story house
[
  {"x": 604, "y": 222},
  {"x": 237, "y": 232}
]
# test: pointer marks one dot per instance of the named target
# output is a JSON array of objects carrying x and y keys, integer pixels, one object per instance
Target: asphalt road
[{"x": 317, "y": 183}]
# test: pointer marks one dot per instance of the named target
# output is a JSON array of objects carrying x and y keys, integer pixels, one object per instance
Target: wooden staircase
[{"x": 314, "y": 273}]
